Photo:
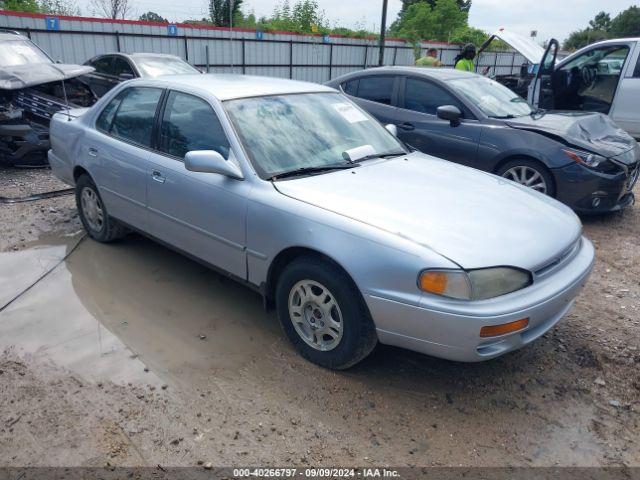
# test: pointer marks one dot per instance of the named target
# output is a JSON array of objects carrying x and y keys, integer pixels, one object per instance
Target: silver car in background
[{"x": 296, "y": 192}]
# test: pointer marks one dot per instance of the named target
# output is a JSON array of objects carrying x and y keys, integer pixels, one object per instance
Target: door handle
[
  {"x": 158, "y": 177},
  {"x": 93, "y": 152},
  {"x": 407, "y": 126}
]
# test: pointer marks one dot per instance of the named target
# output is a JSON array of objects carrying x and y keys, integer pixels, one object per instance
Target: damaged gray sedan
[
  {"x": 32, "y": 89},
  {"x": 296, "y": 192}
]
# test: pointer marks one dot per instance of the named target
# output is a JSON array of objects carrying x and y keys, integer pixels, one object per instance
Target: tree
[
  {"x": 421, "y": 21},
  {"x": 464, "y": 5},
  {"x": 111, "y": 8},
  {"x": 21, "y": 5},
  {"x": 582, "y": 38},
  {"x": 153, "y": 17},
  {"x": 602, "y": 21},
  {"x": 221, "y": 12},
  {"x": 626, "y": 24}
]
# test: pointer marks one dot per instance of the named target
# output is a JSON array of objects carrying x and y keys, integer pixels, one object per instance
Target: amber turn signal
[
  {"x": 434, "y": 282},
  {"x": 497, "y": 330}
]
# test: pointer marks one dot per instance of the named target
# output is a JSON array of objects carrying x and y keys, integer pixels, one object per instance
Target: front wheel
[
  {"x": 529, "y": 173},
  {"x": 323, "y": 315}
]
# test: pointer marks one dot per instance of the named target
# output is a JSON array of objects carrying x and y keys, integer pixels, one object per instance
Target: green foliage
[
  {"x": 152, "y": 17},
  {"x": 21, "y": 5},
  {"x": 464, "y": 5},
  {"x": 219, "y": 11},
  {"x": 602, "y": 27},
  {"x": 54, "y": 7},
  {"x": 626, "y": 24},
  {"x": 421, "y": 21}
]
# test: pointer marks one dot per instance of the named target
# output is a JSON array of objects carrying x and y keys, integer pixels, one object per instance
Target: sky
[{"x": 551, "y": 18}]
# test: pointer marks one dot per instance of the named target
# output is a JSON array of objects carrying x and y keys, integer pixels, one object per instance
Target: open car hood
[
  {"x": 23, "y": 76},
  {"x": 527, "y": 47},
  {"x": 594, "y": 132}
]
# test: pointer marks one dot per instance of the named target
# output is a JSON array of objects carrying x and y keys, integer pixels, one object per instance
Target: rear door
[
  {"x": 118, "y": 152},
  {"x": 103, "y": 78},
  {"x": 202, "y": 214},
  {"x": 420, "y": 127},
  {"x": 377, "y": 94}
]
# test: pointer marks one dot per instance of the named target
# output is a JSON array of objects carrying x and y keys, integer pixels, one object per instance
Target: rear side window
[
  {"x": 351, "y": 88},
  {"x": 426, "y": 97},
  {"x": 376, "y": 89},
  {"x": 189, "y": 123},
  {"x": 103, "y": 65},
  {"x": 120, "y": 66},
  {"x": 130, "y": 116}
]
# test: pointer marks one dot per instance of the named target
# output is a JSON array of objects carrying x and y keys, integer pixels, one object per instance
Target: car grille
[
  {"x": 634, "y": 173},
  {"x": 42, "y": 106}
]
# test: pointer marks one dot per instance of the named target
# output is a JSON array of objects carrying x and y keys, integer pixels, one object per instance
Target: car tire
[
  {"x": 523, "y": 170},
  {"x": 93, "y": 214},
  {"x": 313, "y": 292}
]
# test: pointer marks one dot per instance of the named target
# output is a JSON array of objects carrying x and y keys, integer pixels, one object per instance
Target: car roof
[
  {"x": 232, "y": 86},
  {"x": 443, "y": 74},
  {"x": 138, "y": 54}
]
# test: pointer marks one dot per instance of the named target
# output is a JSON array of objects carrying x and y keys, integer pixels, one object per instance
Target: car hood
[
  {"x": 22, "y": 76},
  {"x": 470, "y": 217},
  {"x": 523, "y": 45},
  {"x": 594, "y": 132}
]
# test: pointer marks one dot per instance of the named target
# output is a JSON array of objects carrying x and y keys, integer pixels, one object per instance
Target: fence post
[
  {"x": 366, "y": 56},
  {"x": 28, "y": 33},
  {"x": 395, "y": 54},
  {"x": 495, "y": 64},
  {"x": 206, "y": 53},
  {"x": 244, "y": 62},
  {"x": 330, "y": 61},
  {"x": 291, "y": 59},
  {"x": 117, "y": 41},
  {"x": 186, "y": 48}
]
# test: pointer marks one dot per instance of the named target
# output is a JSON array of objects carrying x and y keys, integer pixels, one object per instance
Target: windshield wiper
[
  {"x": 502, "y": 117},
  {"x": 383, "y": 155},
  {"x": 312, "y": 170}
]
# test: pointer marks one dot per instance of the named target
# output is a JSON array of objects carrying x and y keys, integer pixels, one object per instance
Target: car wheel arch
[
  {"x": 78, "y": 171},
  {"x": 284, "y": 258}
]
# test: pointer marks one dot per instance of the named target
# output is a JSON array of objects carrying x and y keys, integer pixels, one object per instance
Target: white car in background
[{"x": 603, "y": 77}]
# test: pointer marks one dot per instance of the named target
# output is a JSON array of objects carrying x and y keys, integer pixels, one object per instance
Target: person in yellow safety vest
[
  {"x": 431, "y": 60},
  {"x": 464, "y": 61}
]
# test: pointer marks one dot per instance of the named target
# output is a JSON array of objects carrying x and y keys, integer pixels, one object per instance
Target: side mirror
[
  {"x": 210, "y": 161},
  {"x": 450, "y": 113},
  {"x": 392, "y": 129},
  {"x": 125, "y": 76}
]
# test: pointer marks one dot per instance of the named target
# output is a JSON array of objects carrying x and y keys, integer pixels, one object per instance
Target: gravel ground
[{"x": 571, "y": 398}]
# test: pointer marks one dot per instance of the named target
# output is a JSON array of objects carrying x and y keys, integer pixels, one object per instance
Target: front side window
[
  {"x": 426, "y": 97},
  {"x": 289, "y": 132},
  {"x": 130, "y": 115},
  {"x": 636, "y": 72},
  {"x": 495, "y": 100},
  {"x": 189, "y": 123},
  {"x": 377, "y": 89}
]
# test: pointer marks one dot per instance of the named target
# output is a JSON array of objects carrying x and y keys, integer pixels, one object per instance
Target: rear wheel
[
  {"x": 529, "y": 173},
  {"x": 323, "y": 314},
  {"x": 93, "y": 213}
]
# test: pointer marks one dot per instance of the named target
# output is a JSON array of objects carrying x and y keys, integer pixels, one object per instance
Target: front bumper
[
  {"x": 451, "y": 330},
  {"x": 589, "y": 191},
  {"x": 23, "y": 144}
]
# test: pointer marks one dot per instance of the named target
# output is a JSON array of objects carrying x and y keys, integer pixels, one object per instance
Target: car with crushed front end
[
  {"x": 580, "y": 158},
  {"x": 32, "y": 88},
  {"x": 293, "y": 190}
]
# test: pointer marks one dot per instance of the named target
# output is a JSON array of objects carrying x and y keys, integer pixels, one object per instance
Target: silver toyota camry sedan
[{"x": 296, "y": 192}]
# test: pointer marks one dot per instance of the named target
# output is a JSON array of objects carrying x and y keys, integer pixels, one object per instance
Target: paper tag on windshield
[{"x": 350, "y": 113}]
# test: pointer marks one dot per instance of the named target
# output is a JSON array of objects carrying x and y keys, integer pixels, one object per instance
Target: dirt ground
[{"x": 132, "y": 355}]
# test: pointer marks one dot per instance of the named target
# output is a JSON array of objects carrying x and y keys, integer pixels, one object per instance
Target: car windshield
[
  {"x": 306, "y": 131},
  {"x": 152, "y": 66},
  {"x": 21, "y": 52},
  {"x": 495, "y": 100}
]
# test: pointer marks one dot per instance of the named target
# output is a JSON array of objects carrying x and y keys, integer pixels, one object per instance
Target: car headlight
[
  {"x": 474, "y": 284},
  {"x": 587, "y": 159}
]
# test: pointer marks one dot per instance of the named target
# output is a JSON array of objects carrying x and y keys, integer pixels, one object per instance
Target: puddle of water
[{"x": 109, "y": 303}]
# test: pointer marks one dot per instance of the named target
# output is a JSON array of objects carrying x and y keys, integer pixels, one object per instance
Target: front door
[
  {"x": 421, "y": 128},
  {"x": 202, "y": 214},
  {"x": 541, "y": 89}
]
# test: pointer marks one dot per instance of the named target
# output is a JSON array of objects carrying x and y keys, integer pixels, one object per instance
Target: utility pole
[
  {"x": 231, "y": 2},
  {"x": 383, "y": 31}
]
